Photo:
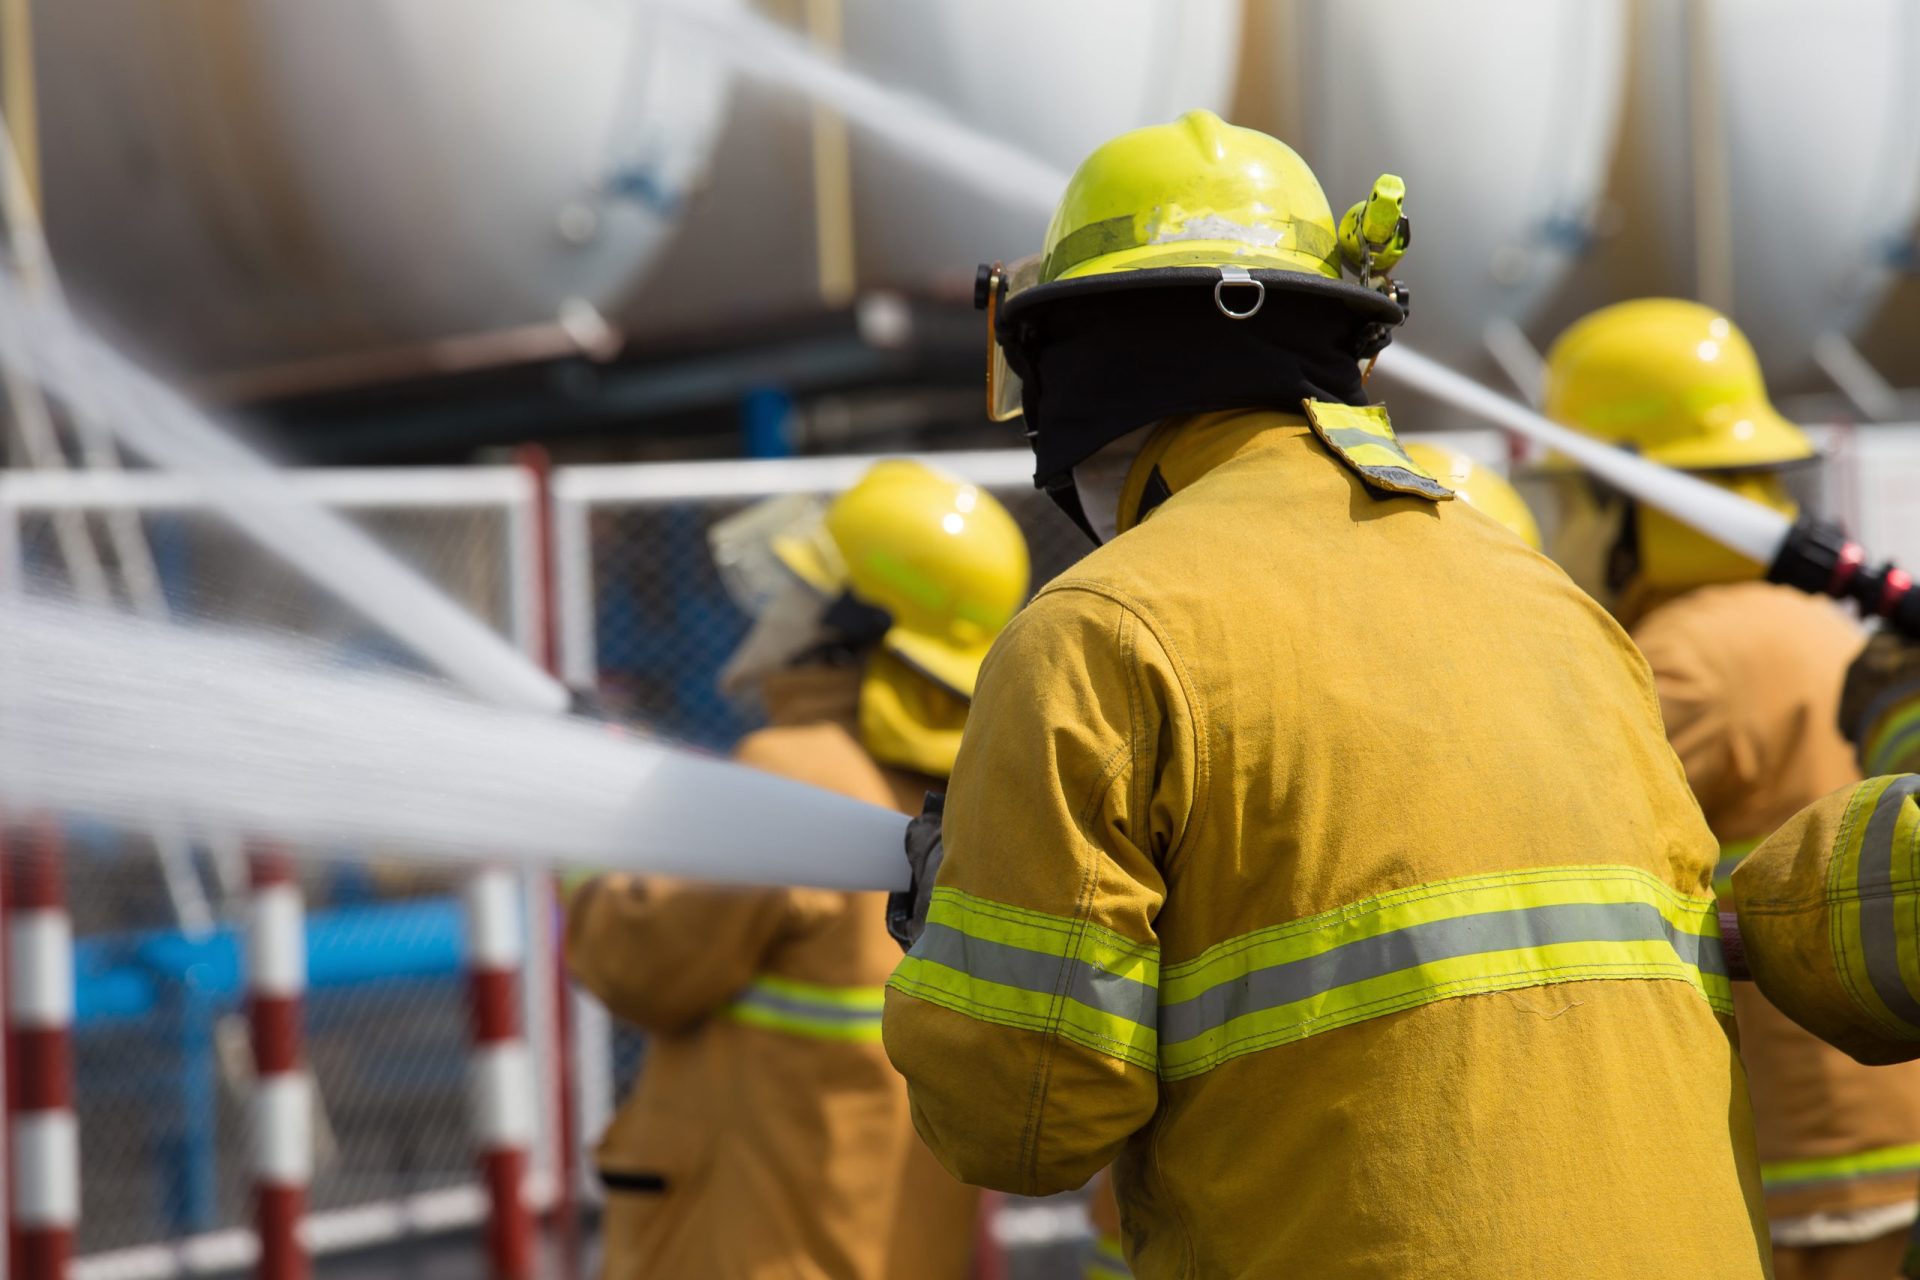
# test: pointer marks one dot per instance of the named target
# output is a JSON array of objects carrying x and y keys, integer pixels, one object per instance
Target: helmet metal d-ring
[{"x": 1238, "y": 276}]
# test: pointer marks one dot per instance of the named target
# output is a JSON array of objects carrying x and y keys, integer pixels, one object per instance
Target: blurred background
[{"x": 518, "y": 287}]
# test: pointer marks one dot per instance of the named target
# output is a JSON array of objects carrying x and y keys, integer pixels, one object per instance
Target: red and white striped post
[
  {"x": 989, "y": 1255},
  {"x": 282, "y": 1100},
  {"x": 44, "y": 1172},
  {"x": 503, "y": 1117}
]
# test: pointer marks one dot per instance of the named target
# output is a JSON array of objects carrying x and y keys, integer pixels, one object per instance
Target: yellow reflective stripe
[
  {"x": 1362, "y": 437},
  {"x": 1894, "y": 741},
  {"x": 1876, "y": 864},
  {"x": 1046, "y": 934},
  {"x": 1290, "y": 245},
  {"x": 1730, "y": 855},
  {"x": 1433, "y": 942},
  {"x": 1008, "y": 965},
  {"x": 1788, "y": 1175},
  {"x": 867, "y": 999},
  {"x": 821, "y": 1012}
]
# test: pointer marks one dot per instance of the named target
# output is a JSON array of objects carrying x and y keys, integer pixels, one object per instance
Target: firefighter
[
  {"x": 768, "y": 1136},
  {"x": 1749, "y": 676},
  {"x": 1825, "y": 910},
  {"x": 1472, "y": 482},
  {"x": 1314, "y": 854}
]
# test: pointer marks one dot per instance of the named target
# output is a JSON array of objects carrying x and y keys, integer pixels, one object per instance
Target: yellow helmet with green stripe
[
  {"x": 1676, "y": 382},
  {"x": 940, "y": 557},
  {"x": 1197, "y": 192},
  {"x": 1189, "y": 267}
]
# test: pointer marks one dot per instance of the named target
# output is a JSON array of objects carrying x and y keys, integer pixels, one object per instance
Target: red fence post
[
  {"x": 44, "y": 1138},
  {"x": 502, "y": 1069},
  {"x": 989, "y": 1258},
  {"x": 538, "y": 464},
  {"x": 283, "y": 1100}
]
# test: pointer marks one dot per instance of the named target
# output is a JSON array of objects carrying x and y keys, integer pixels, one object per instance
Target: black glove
[
  {"x": 907, "y": 908},
  {"x": 1880, "y": 705}
]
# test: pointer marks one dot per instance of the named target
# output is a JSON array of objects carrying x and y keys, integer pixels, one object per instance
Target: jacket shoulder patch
[{"x": 1361, "y": 437}]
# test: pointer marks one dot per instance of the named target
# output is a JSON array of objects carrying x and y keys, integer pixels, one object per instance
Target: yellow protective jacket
[
  {"x": 1749, "y": 677},
  {"x": 1319, "y": 854},
  {"x": 1829, "y": 918},
  {"x": 768, "y": 1136}
]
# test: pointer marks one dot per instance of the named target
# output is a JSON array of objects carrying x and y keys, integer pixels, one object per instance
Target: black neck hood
[{"x": 1101, "y": 357}]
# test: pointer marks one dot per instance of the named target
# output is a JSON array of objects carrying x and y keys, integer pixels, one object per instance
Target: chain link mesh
[
  {"x": 163, "y": 1062},
  {"x": 664, "y": 625}
]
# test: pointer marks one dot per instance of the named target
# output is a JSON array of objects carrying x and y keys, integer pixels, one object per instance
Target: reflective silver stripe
[
  {"x": 814, "y": 1010},
  {"x": 1877, "y": 906},
  {"x": 1354, "y": 437},
  {"x": 1415, "y": 945},
  {"x": 1012, "y": 966}
]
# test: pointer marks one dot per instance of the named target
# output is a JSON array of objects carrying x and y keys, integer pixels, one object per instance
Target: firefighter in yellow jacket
[
  {"x": 1486, "y": 490},
  {"x": 1314, "y": 848},
  {"x": 1749, "y": 675},
  {"x": 1825, "y": 909},
  {"x": 768, "y": 1136}
]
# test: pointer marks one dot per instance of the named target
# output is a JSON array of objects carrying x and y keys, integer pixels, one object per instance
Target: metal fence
[
  {"x": 643, "y": 615},
  {"x": 163, "y": 1068}
]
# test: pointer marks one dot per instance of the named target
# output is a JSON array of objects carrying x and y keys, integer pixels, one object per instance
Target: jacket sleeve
[
  {"x": 1827, "y": 906},
  {"x": 664, "y": 954},
  {"x": 1695, "y": 704},
  {"x": 1024, "y": 1017}
]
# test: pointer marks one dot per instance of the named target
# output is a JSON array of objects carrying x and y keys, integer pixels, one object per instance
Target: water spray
[
  {"x": 154, "y": 421},
  {"x": 1813, "y": 555},
  {"x": 109, "y": 714},
  {"x": 120, "y": 710}
]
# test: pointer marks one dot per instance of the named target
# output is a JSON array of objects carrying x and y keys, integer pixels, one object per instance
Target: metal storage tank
[
  {"x": 1074, "y": 75},
  {"x": 1501, "y": 115},
  {"x": 1821, "y": 132},
  {"x": 1770, "y": 166},
  {"x": 238, "y": 184},
  {"x": 1056, "y": 79}
]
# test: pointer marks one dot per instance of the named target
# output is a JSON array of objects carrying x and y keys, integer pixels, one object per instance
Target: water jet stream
[
  {"x": 108, "y": 714},
  {"x": 158, "y": 424}
]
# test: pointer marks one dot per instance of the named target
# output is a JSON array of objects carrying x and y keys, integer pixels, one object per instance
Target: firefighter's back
[{"x": 1440, "y": 990}]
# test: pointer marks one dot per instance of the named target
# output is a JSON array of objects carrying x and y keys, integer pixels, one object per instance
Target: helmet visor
[
  {"x": 1003, "y": 384},
  {"x": 764, "y": 549}
]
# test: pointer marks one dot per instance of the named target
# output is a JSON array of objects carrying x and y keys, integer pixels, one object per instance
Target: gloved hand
[
  {"x": 907, "y": 908},
  {"x": 1880, "y": 706}
]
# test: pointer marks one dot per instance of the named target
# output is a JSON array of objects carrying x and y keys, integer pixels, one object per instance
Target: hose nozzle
[{"x": 1818, "y": 557}]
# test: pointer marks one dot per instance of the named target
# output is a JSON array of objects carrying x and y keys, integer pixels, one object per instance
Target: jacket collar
[
  {"x": 1183, "y": 449},
  {"x": 811, "y": 694}
]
